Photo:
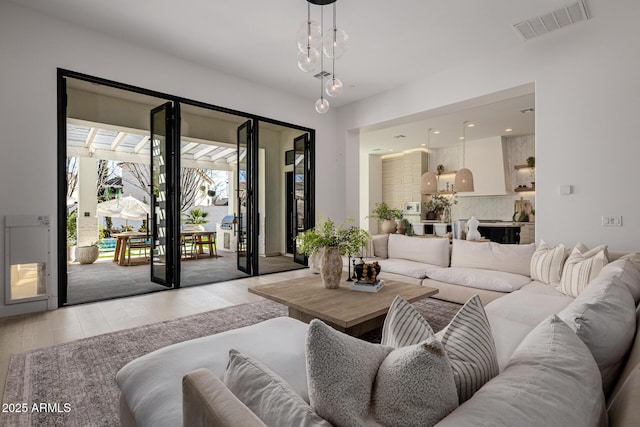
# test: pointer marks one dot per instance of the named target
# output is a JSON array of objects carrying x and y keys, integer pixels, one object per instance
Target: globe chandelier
[{"x": 314, "y": 44}]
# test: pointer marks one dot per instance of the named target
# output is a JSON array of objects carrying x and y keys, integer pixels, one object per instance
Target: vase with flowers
[{"x": 331, "y": 242}]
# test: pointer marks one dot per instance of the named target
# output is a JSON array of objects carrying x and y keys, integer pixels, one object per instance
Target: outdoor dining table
[{"x": 122, "y": 239}]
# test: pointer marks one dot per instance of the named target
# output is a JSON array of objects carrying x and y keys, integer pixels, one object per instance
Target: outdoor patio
[{"x": 105, "y": 279}]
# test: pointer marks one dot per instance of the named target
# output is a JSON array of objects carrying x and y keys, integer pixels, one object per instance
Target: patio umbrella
[{"x": 127, "y": 207}]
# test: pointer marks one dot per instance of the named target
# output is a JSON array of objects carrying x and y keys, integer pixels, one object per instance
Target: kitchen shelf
[
  {"x": 524, "y": 190},
  {"x": 518, "y": 167},
  {"x": 447, "y": 173},
  {"x": 445, "y": 193}
]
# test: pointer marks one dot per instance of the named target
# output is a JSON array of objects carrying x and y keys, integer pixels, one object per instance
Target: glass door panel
[
  {"x": 245, "y": 195},
  {"x": 162, "y": 212},
  {"x": 301, "y": 190}
]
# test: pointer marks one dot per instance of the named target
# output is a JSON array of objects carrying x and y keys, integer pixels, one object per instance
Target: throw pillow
[
  {"x": 380, "y": 245},
  {"x": 470, "y": 346},
  {"x": 267, "y": 394},
  {"x": 604, "y": 317},
  {"x": 551, "y": 379},
  {"x": 626, "y": 272},
  {"x": 413, "y": 385},
  {"x": 582, "y": 266},
  {"x": 404, "y": 325},
  {"x": 467, "y": 340},
  {"x": 547, "y": 262}
]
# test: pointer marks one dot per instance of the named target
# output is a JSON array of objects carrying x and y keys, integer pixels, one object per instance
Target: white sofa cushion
[
  {"x": 405, "y": 267},
  {"x": 582, "y": 266},
  {"x": 550, "y": 380},
  {"x": 547, "y": 262},
  {"x": 625, "y": 271},
  {"x": 513, "y": 316},
  {"x": 493, "y": 256},
  {"x": 413, "y": 384},
  {"x": 151, "y": 384},
  {"x": 267, "y": 394},
  {"x": 427, "y": 250},
  {"x": 604, "y": 317},
  {"x": 492, "y": 280}
]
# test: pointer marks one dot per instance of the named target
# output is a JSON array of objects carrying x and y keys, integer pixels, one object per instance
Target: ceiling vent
[{"x": 559, "y": 18}]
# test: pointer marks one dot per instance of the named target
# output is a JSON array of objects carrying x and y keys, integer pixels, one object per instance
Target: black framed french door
[
  {"x": 303, "y": 185},
  {"x": 164, "y": 182},
  {"x": 245, "y": 199}
]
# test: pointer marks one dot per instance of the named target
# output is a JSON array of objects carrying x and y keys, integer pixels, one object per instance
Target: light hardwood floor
[{"x": 31, "y": 331}]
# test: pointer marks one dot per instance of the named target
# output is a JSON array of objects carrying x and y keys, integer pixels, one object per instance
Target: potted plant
[
  {"x": 331, "y": 241},
  {"x": 195, "y": 219},
  {"x": 441, "y": 205},
  {"x": 71, "y": 235},
  {"x": 382, "y": 212}
]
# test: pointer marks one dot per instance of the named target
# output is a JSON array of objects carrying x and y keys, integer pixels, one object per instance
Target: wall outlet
[{"x": 612, "y": 221}]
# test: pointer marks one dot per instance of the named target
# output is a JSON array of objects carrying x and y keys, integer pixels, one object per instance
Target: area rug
[{"x": 73, "y": 384}]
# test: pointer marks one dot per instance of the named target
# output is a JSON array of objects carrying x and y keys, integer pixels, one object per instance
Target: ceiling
[{"x": 391, "y": 42}]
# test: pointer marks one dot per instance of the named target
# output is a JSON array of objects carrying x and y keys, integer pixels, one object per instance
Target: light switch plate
[{"x": 612, "y": 221}]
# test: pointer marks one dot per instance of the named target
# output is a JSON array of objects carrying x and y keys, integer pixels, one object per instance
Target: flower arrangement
[{"x": 348, "y": 239}]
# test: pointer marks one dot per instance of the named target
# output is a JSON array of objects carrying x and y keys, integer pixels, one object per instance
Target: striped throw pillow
[
  {"x": 581, "y": 267},
  {"x": 470, "y": 346},
  {"x": 467, "y": 340},
  {"x": 404, "y": 325},
  {"x": 547, "y": 262}
]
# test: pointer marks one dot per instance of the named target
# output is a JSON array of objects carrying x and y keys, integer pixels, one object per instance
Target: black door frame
[{"x": 62, "y": 75}]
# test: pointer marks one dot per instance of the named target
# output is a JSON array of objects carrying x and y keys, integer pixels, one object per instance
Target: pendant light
[
  {"x": 322, "y": 105},
  {"x": 464, "y": 177},
  {"x": 314, "y": 43},
  {"x": 429, "y": 180}
]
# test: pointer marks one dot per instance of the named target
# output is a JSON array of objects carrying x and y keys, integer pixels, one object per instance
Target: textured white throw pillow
[
  {"x": 267, "y": 394},
  {"x": 467, "y": 340},
  {"x": 582, "y": 266},
  {"x": 413, "y": 384},
  {"x": 604, "y": 317},
  {"x": 380, "y": 245},
  {"x": 547, "y": 263},
  {"x": 551, "y": 380}
]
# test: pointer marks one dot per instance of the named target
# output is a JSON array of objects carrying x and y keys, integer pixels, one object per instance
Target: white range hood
[{"x": 487, "y": 160}]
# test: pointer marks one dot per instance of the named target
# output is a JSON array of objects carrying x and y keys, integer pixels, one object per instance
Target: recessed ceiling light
[
  {"x": 390, "y": 150},
  {"x": 461, "y": 138},
  {"x": 508, "y": 130},
  {"x": 424, "y": 145},
  {"x": 436, "y": 132},
  {"x": 470, "y": 125}
]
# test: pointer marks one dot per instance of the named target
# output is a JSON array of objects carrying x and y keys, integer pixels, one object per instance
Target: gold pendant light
[{"x": 464, "y": 177}]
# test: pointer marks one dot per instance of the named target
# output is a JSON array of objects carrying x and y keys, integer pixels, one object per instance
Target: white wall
[
  {"x": 587, "y": 104},
  {"x": 33, "y": 46}
]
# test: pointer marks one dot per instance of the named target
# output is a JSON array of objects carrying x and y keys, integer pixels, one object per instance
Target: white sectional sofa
[
  {"x": 458, "y": 269},
  {"x": 579, "y": 368}
]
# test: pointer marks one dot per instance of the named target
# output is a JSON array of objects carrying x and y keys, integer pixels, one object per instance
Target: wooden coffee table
[{"x": 352, "y": 312}]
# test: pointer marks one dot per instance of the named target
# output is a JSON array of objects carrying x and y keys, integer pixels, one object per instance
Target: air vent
[
  {"x": 322, "y": 74},
  {"x": 562, "y": 17}
]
